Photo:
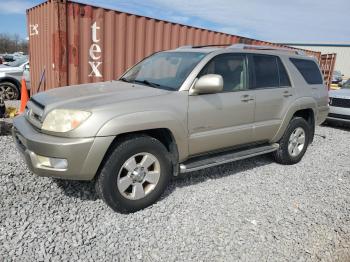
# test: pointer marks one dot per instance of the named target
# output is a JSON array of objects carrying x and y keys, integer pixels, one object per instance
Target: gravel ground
[
  {"x": 13, "y": 103},
  {"x": 251, "y": 210}
]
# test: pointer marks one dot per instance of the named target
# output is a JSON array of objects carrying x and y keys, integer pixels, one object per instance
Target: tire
[
  {"x": 9, "y": 90},
  {"x": 112, "y": 182},
  {"x": 283, "y": 155}
]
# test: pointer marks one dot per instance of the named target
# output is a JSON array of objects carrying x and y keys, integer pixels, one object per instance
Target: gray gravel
[
  {"x": 251, "y": 210},
  {"x": 13, "y": 103}
]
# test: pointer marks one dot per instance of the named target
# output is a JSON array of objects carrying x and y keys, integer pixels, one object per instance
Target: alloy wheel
[
  {"x": 296, "y": 142},
  {"x": 7, "y": 92},
  {"x": 138, "y": 176}
]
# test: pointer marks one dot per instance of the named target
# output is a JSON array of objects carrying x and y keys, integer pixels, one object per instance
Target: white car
[
  {"x": 10, "y": 78},
  {"x": 339, "y": 102}
]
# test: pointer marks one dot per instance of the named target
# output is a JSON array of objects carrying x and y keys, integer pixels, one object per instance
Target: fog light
[{"x": 51, "y": 162}]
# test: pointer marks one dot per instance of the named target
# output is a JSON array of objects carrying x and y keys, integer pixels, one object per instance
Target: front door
[{"x": 225, "y": 119}]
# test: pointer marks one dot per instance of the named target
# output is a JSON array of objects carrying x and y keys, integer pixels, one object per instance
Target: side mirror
[{"x": 208, "y": 84}]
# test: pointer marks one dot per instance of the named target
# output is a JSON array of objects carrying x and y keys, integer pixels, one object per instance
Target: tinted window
[
  {"x": 284, "y": 78},
  {"x": 309, "y": 70},
  {"x": 266, "y": 71},
  {"x": 231, "y": 67},
  {"x": 19, "y": 61}
]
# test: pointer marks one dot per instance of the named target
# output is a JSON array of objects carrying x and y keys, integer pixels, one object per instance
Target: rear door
[
  {"x": 225, "y": 119},
  {"x": 273, "y": 94}
]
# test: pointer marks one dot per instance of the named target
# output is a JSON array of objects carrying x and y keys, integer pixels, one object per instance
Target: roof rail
[
  {"x": 201, "y": 46},
  {"x": 262, "y": 47},
  {"x": 184, "y": 47},
  {"x": 245, "y": 46}
]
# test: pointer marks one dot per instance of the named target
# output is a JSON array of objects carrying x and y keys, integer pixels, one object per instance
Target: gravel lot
[{"x": 251, "y": 210}]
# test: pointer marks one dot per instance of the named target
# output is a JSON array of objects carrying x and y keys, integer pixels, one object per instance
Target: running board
[{"x": 225, "y": 157}]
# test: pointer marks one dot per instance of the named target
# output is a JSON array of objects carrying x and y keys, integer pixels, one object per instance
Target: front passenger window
[{"x": 232, "y": 68}]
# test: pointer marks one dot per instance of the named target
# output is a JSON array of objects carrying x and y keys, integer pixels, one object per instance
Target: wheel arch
[
  {"x": 309, "y": 115},
  {"x": 164, "y": 135},
  {"x": 303, "y": 107},
  {"x": 11, "y": 80}
]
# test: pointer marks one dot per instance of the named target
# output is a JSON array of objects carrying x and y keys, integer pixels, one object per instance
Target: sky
[{"x": 283, "y": 21}]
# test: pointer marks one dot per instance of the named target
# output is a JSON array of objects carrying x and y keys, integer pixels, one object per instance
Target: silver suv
[{"x": 174, "y": 112}]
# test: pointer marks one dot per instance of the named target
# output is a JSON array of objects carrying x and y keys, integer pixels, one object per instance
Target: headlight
[
  {"x": 64, "y": 120},
  {"x": 2, "y": 74}
]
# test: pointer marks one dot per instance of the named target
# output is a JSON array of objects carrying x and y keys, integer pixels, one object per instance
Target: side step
[{"x": 202, "y": 162}]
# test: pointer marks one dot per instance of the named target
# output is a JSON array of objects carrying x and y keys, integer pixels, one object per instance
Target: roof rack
[
  {"x": 245, "y": 46},
  {"x": 201, "y": 46},
  {"x": 263, "y": 47}
]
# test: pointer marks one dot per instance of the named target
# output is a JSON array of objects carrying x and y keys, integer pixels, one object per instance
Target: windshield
[
  {"x": 346, "y": 85},
  {"x": 18, "y": 62},
  {"x": 165, "y": 70}
]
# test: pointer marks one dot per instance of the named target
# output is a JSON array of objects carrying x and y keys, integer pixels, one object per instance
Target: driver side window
[{"x": 232, "y": 68}]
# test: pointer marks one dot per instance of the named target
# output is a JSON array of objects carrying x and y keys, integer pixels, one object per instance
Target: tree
[{"x": 12, "y": 43}]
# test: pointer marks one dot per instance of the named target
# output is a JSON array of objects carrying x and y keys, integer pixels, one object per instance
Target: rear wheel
[
  {"x": 135, "y": 174},
  {"x": 294, "y": 142},
  {"x": 9, "y": 91}
]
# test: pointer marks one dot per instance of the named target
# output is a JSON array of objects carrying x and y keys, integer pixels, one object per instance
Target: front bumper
[
  {"x": 339, "y": 114},
  {"x": 83, "y": 155}
]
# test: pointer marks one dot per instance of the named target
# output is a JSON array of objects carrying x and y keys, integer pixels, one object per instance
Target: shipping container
[{"x": 72, "y": 43}]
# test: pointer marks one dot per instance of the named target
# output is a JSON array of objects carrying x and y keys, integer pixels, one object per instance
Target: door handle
[
  {"x": 246, "y": 98},
  {"x": 287, "y": 94}
]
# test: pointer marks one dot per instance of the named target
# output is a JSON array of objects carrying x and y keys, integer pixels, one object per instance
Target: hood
[
  {"x": 88, "y": 96},
  {"x": 340, "y": 93}
]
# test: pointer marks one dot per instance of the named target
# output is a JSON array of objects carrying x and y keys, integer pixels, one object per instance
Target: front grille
[
  {"x": 339, "y": 102},
  {"x": 339, "y": 116},
  {"x": 34, "y": 113}
]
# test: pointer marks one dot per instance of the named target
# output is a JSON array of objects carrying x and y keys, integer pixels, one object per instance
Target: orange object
[{"x": 24, "y": 96}]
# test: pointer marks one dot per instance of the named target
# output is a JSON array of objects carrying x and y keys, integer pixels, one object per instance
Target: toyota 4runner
[{"x": 174, "y": 112}]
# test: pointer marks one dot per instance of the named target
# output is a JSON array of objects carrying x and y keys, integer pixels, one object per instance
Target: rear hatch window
[{"x": 309, "y": 70}]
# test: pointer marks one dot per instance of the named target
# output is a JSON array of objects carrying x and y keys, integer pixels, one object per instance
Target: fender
[
  {"x": 299, "y": 104},
  {"x": 147, "y": 120}
]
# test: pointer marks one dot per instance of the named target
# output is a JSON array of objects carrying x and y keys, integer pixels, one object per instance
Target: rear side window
[
  {"x": 269, "y": 72},
  {"x": 266, "y": 71},
  {"x": 309, "y": 70}
]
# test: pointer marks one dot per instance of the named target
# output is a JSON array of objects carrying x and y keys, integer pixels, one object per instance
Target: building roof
[{"x": 332, "y": 44}]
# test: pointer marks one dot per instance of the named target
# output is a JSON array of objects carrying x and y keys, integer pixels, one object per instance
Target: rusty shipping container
[{"x": 73, "y": 43}]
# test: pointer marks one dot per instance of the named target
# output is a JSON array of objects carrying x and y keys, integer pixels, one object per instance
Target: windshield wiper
[
  {"x": 146, "y": 82},
  {"x": 124, "y": 79}
]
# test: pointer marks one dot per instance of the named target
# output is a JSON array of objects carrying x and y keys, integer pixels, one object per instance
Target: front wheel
[
  {"x": 135, "y": 174},
  {"x": 9, "y": 91},
  {"x": 294, "y": 142}
]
